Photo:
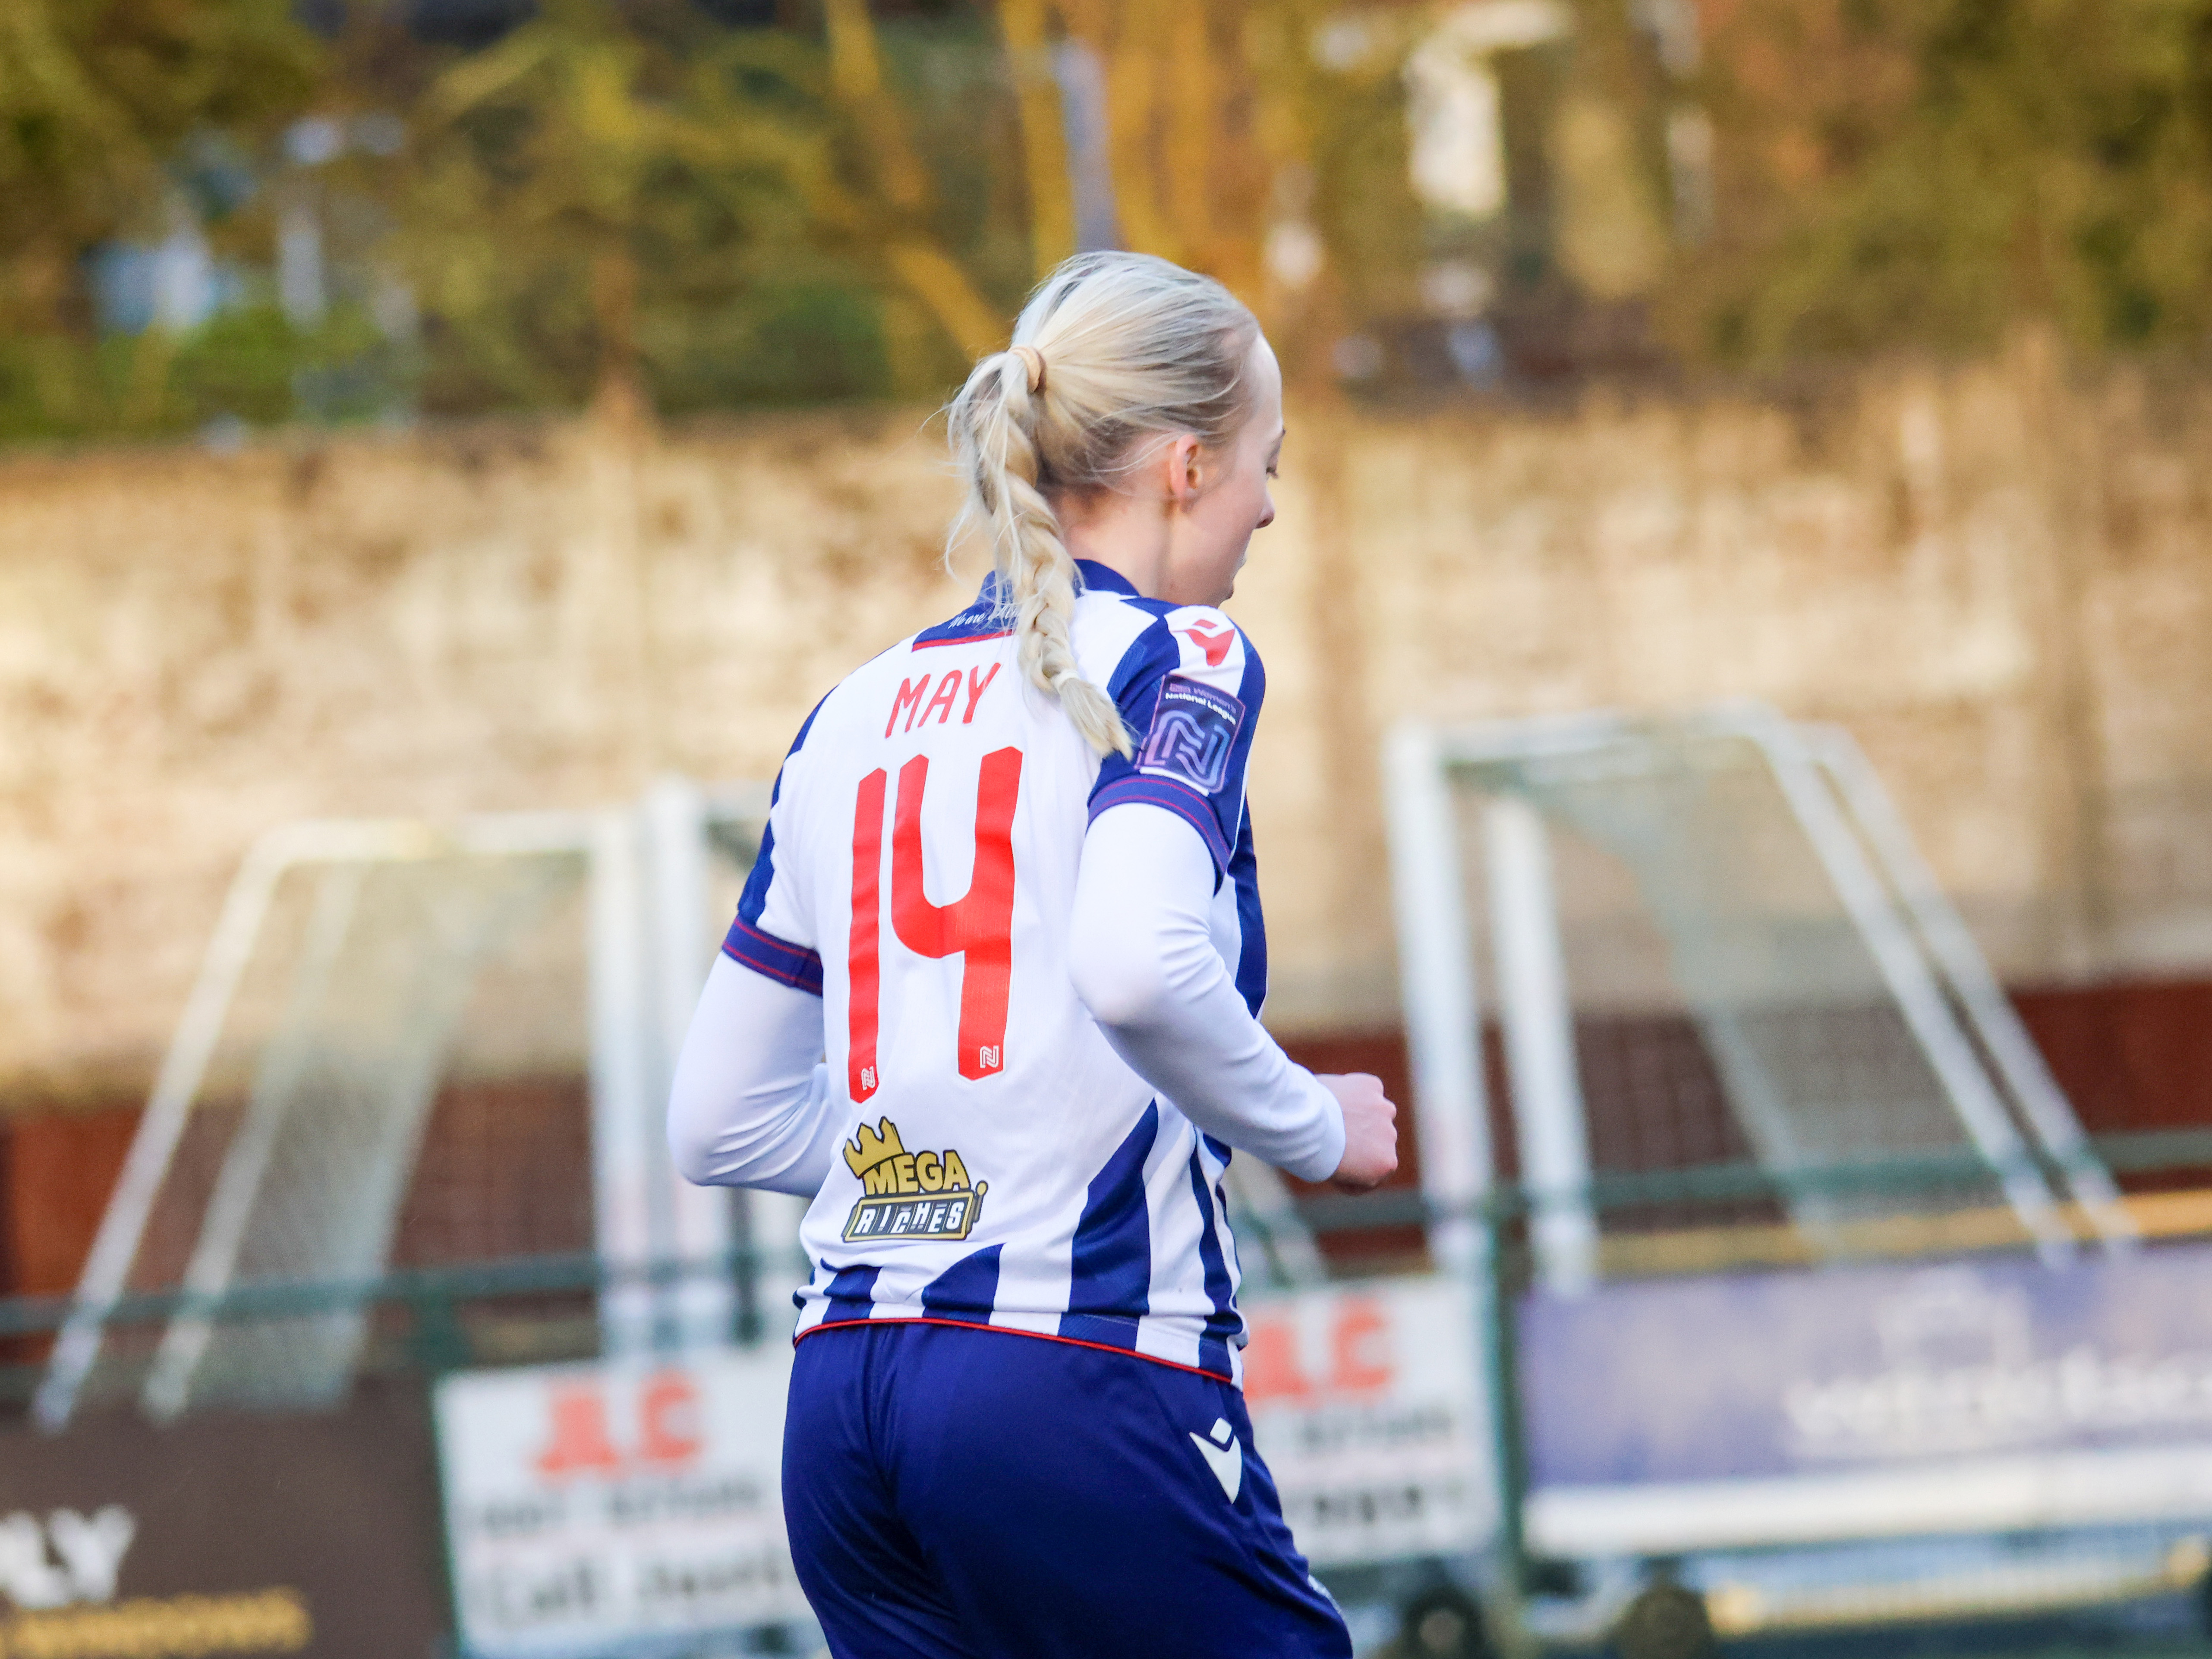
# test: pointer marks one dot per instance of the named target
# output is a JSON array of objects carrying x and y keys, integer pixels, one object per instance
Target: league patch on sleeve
[{"x": 1193, "y": 729}]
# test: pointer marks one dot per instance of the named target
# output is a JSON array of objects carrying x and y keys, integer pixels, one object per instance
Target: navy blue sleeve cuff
[
  {"x": 1186, "y": 803},
  {"x": 764, "y": 953}
]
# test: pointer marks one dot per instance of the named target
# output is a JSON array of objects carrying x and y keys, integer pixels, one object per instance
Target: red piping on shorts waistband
[{"x": 1015, "y": 1330}]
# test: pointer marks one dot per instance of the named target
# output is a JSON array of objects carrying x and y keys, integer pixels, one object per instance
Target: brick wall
[{"x": 1999, "y": 577}]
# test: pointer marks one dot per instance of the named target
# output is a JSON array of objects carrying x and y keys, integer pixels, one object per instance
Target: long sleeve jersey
[{"x": 1007, "y": 1034}]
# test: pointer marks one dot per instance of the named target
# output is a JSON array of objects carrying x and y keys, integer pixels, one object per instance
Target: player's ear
[{"x": 1186, "y": 468}]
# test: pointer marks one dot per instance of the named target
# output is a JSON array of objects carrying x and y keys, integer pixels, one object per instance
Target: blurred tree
[
  {"x": 1189, "y": 177},
  {"x": 901, "y": 197},
  {"x": 1025, "y": 30},
  {"x": 635, "y": 195},
  {"x": 1185, "y": 89},
  {"x": 1929, "y": 171},
  {"x": 98, "y": 99},
  {"x": 1342, "y": 234}
]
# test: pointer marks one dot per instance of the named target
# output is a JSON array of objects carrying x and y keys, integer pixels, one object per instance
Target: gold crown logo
[{"x": 873, "y": 1146}]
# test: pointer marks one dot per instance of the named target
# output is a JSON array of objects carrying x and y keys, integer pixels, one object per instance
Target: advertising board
[
  {"x": 605, "y": 1508},
  {"x": 1994, "y": 1394},
  {"x": 224, "y": 1532},
  {"x": 626, "y": 1507},
  {"x": 1366, "y": 1404}
]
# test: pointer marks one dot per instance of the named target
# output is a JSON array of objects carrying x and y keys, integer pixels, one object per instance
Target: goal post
[
  {"x": 1706, "y": 940},
  {"x": 352, "y": 964},
  {"x": 1742, "y": 887}
]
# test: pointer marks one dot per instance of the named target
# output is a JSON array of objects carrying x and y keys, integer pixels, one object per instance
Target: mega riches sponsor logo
[{"x": 908, "y": 1196}]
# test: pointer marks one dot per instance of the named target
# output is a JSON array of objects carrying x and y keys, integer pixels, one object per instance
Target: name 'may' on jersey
[{"x": 1001, "y": 1165}]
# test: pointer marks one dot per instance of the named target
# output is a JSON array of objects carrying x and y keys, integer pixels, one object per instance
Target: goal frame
[
  {"x": 1995, "y": 1082},
  {"x": 647, "y": 868}
]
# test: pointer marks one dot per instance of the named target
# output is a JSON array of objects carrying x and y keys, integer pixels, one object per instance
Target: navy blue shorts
[{"x": 961, "y": 1493}]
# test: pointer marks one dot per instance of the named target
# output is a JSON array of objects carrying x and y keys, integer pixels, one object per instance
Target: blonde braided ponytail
[
  {"x": 1112, "y": 349},
  {"x": 1038, "y": 570}
]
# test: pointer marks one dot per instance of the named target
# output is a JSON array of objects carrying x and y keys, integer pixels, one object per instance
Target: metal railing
[
  {"x": 448, "y": 1317},
  {"x": 429, "y": 1321}
]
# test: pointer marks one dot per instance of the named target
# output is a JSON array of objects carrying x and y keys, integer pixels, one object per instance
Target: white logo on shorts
[{"x": 1223, "y": 1456}]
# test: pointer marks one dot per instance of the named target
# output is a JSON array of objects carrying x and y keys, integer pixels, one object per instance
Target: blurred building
[{"x": 1554, "y": 158}]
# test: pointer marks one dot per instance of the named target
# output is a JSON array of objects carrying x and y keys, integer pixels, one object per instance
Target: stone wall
[{"x": 1999, "y": 577}]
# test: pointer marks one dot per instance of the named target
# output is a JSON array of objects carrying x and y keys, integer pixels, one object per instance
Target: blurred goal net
[
  {"x": 378, "y": 1066},
  {"x": 1708, "y": 940}
]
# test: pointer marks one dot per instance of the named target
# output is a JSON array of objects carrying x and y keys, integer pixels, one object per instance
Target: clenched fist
[{"x": 1371, "y": 1132}]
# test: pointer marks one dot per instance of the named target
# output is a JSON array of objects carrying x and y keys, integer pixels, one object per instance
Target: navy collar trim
[
  {"x": 1104, "y": 578},
  {"x": 1096, "y": 579}
]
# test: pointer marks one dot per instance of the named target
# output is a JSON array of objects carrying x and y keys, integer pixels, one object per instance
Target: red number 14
[{"x": 978, "y": 926}]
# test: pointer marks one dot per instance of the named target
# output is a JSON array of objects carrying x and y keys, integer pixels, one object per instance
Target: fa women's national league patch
[{"x": 1193, "y": 729}]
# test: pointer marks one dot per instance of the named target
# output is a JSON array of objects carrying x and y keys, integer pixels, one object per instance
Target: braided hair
[{"x": 1115, "y": 354}]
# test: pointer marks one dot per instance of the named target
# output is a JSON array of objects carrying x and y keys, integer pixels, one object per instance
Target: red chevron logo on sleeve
[{"x": 1215, "y": 645}]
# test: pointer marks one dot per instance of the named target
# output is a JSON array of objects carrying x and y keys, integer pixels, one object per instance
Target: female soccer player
[{"x": 1008, "y": 886}]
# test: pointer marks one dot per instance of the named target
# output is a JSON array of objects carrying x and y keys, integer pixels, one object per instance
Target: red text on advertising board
[
  {"x": 1358, "y": 1355},
  {"x": 580, "y": 1436}
]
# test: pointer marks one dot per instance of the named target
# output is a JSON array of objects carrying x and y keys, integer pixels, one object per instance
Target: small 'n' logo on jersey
[
  {"x": 1193, "y": 729},
  {"x": 989, "y": 1059},
  {"x": 908, "y": 1196},
  {"x": 1215, "y": 642}
]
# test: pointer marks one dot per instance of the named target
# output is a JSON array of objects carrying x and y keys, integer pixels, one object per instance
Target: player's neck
[
  {"x": 1125, "y": 532},
  {"x": 1129, "y": 534}
]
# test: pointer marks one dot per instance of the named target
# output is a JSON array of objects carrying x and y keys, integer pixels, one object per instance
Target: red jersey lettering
[{"x": 911, "y": 694}]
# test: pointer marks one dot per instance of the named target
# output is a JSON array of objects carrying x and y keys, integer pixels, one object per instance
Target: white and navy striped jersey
[{"x": 1001, "y": 1165}]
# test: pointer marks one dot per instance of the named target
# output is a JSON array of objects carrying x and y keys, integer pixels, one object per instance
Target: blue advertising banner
[
  {"x": 1782, "y": 1373},
  {"x": 1973, "y": 1385}
]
